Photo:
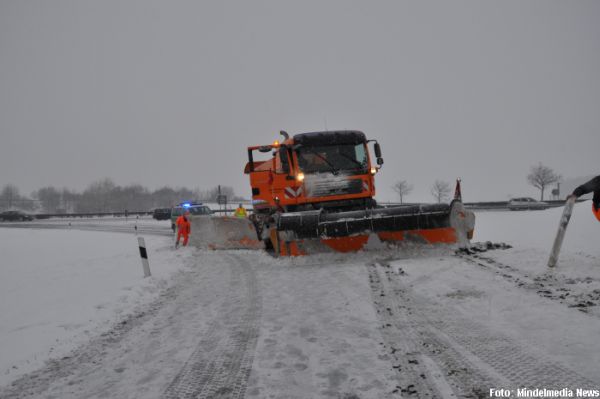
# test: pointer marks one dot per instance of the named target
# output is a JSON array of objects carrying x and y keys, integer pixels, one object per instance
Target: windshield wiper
[{"x": 333, "y": 168}]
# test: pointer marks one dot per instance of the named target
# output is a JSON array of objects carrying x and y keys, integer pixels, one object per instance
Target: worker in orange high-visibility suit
[
  {"x": 183, "y": 228},
  {"x": 588, "y": 187}
]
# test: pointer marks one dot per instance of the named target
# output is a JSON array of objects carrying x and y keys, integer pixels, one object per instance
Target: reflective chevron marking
[{"x": 291, "y": 193}]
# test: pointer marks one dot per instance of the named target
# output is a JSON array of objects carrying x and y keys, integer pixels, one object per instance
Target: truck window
[{"x": 282, "y": 162}]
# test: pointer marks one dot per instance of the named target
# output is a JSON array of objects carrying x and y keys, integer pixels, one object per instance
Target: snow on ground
[
  {"x": 235, "y": 323},
  {"x": 59, "y": 287},
  {"x": 319, "y": 335},
  {"x": 536, "y": 229},
  {"x": 552, "y": 313},
  {"x": 532, "y": 233},
  {"x": 290, "y": 328}
]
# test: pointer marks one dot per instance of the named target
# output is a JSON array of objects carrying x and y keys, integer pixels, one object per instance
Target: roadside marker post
[
  {"x": 562, "y": 228},
  {"x": 144, "y": 256}
]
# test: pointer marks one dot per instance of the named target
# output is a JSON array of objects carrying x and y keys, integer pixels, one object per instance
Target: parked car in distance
[
  {"x": 194, "y": 209},
  {"x": 525, "y": 203},
  {"x": 14, "y": 216},
  {"x": 162, "y": 214}
]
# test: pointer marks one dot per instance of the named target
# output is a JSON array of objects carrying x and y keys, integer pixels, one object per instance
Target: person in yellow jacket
[{"x": 240, "y": 212}]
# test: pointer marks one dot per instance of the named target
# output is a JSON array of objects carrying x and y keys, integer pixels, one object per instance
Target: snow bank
[
  {"x": 59, "y": 287},
  {"x": 536, "y": 229},
  {"x": 218, "y": 232}
]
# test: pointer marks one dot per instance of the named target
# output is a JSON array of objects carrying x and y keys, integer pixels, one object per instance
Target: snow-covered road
[
  {"x": 392, "y": 323},
  {"x": 315, "y": 326},
  {"x": 196, "y": 336}
]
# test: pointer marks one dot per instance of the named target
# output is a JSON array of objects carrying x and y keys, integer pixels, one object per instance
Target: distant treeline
[{"x": 106, "y": 196}]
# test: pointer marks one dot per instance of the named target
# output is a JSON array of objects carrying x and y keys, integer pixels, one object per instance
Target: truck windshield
[{"x": 332, "y": 158}]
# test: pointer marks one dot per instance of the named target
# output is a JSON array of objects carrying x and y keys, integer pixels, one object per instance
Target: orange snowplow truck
[{"x": 316, "y": 191}]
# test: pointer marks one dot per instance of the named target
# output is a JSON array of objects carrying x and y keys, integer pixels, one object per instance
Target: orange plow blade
[{"x": 310, "y": 232}]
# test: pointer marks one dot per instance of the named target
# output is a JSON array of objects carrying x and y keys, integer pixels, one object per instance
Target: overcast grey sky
[{"x": 172, "y": 92}]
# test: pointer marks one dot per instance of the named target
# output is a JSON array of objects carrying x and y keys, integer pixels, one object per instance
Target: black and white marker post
[
  {"x": 144, "y": 256},
  {"x": 562, "y": 229}
]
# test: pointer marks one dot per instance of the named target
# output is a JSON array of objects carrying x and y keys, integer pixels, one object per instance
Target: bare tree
[
  {"x": 210, "y": 195},
  {"x": 402, "y": 188},
  {"x": 49, "y": 198},
  {"x": 440, "y": 190},
  {"x": 9, "y": 195},
  {"x": 68, "y": 200},
  {"x": 165, "y": 197},
  {"x": 541, "y": 176},
  {"x": 97, "y": 197},
  {"x": 106, "y": 196}
]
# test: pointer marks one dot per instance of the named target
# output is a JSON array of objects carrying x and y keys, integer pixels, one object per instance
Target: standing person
[
  {"x": 588, "y": 187},
  {"x": 240, "y": 212},
  {"x": 183, "y": 228}
]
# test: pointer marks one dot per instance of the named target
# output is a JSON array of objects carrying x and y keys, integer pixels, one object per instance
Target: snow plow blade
[
  {"x": 223, "y": 232},
  {"x": 300, "y": 233}
]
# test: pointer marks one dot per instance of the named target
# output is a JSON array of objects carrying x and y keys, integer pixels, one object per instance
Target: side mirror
[
  {"x": 379, "y": 161},
  {"x": 377, "y": 151}
]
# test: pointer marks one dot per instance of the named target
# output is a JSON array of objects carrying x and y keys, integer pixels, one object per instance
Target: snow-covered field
[
  {"x": 58, "y": 288},
  {"x": 512, "y": 297},
  {"x": 536, "y": 229},
  {"x": 377, "y": 324}
]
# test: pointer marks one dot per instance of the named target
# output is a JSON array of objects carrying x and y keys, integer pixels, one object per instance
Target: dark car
[
  {"x": 162, "y": 214},
  {"x": 13, "y": 216}
]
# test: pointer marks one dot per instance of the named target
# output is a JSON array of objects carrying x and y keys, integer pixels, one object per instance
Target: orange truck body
[
  {"x": 271, "y": 183},
  {"x": 316, "y": 190}
]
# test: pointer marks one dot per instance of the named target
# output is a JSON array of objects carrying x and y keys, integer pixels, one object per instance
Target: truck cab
[{"x": 317, "y": 170}]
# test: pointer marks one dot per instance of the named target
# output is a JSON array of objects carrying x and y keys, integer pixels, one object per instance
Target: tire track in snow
[
  {"x": 403, "y": 322},
  {"x": 547, "y": 285},
  {"x": 222, "y": 338},
  {"x": 220, "y": 365},
  {"x": 400, "y": 340},
  {"x": 473, "y": 357}
]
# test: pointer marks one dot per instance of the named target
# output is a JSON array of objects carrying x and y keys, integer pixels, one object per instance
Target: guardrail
[
  {"x": 113, "y": 214},
  {"x": 498, "y": 205},
  {"x": 90, "y": 215},
  {"x": 485, "y": 205},
  {"x": 490, "y": 205}
]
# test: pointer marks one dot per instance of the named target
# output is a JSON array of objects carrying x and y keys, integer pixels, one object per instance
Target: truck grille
[{"x": 337, "y": 185}]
